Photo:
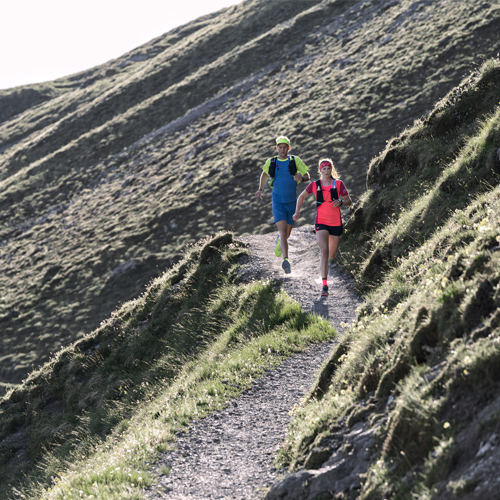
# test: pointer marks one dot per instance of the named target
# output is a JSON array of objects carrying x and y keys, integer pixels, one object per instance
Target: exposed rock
[
  {"x": 343, "y": 472},
  {"x": 51, "y": 273}
]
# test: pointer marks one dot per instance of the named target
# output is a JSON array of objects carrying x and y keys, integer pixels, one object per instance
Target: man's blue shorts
[{"x": 284, "y": 211}]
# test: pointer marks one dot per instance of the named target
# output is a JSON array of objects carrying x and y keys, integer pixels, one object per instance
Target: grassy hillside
[
  {"x": 420, "y": 369},
  {"x": 107, "y": 175},
  {"x": 94, "y": 416},
  {"x": 87, "y": 221},
  {"x": 422, "y": 366}
]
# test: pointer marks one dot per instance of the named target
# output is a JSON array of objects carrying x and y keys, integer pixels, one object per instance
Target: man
[{"x": 285, "y": 172}]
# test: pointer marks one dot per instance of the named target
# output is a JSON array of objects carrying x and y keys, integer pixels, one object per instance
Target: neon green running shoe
[
  {"x": 277, "y": 248},
  {"x": 286, "y": 266}
]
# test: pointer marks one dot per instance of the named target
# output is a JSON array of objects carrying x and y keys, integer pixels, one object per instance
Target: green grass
[
  {"x": 428, "y": 334},
  {"x": 97, "y": 171},
  {"x": 96, "y": 167},
  {"x": 96, "y": 415}
]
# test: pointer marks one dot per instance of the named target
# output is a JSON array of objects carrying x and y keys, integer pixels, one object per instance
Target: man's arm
[
  {"x": 262, "y": 183},
  {"x": 300, "y": 200},
  {"x": 302, "y": 174},
  {"x": 298, "y": 177}
]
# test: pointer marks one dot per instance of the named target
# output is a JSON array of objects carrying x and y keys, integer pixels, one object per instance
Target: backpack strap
[
  {"x": 319, "y": 192},
  {"x": 333, "y": 191},
  {"x": 272, "y": 167},
  {"x": 292, "y": 166}
]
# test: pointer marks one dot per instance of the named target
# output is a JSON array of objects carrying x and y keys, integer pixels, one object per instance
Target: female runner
[{"x": 330, "y": 194}]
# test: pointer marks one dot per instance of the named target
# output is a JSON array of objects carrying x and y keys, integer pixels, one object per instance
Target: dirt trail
[
  {"x": 304, "y": 282},
  {"x": 229, "y": 454}
]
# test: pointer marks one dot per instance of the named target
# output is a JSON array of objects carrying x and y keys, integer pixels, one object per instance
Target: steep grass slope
[
  {"x": 421, "y": 369},
  {"x": 106, "y": 176}
]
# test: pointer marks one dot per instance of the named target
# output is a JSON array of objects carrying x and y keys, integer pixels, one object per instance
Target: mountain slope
[
  {"x": 96, "y": 169},
  {"x": 410, "y": 396}
]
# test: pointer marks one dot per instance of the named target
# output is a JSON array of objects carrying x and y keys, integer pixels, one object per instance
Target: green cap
[{"x": 282, "y": 140}]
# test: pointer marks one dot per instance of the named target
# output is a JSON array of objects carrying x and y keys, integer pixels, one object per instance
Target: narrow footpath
[{"x": 230, "y": 453}]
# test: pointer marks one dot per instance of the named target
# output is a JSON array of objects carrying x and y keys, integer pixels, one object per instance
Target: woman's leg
[
  {"x": 322, "y": 239},
  {"x": 333, "y": 246}
]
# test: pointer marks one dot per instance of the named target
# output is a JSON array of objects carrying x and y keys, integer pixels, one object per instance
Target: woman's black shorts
[{"x": 332, "y": 230}]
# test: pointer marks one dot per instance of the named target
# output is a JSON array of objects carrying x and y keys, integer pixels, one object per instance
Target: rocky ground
[{"x": 229, "y": 455}]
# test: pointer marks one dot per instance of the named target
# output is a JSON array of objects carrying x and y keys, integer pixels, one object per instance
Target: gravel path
[{"x": 230, "y": 453}]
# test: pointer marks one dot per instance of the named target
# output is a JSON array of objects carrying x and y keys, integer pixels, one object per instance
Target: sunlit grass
[
  {"x": 96, "y": 166},
  {"x": 97, "y": 170},
  {"x": 118, "y": 468},
  {"x": 427, "y": 337},
  {"x": 194, "y": 340}
]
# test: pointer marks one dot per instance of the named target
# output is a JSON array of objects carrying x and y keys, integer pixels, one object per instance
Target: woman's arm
[{"x": 346, "y": 201}]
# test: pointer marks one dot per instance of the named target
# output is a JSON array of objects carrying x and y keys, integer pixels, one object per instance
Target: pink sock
[{"x": 325, "y": 282}]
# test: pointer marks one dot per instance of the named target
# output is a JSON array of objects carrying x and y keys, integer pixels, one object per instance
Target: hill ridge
[
  {"x": 341, "y": 92},
  {"x": 420, "y": 366}
]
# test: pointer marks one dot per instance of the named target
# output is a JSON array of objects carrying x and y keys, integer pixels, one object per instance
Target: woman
[{"x": 330, "y": 194}]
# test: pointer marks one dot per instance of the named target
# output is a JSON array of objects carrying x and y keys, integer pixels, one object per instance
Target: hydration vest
[
  {"x": 319, "y": 192},
  {"x": 292, "y": 168}
]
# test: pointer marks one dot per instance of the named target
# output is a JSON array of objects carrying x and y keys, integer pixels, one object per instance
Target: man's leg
[
  {"x": 284, "y": 231},
  {"x": 283, "y": 217},
  {"x": 289, "y": 210}
]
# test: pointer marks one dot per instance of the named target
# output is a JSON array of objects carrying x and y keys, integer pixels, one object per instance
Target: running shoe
[
  {"x": 286, "y": 266},
  {"x": 324, "y": 291},
  {"x": 277, "y": 248}
]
